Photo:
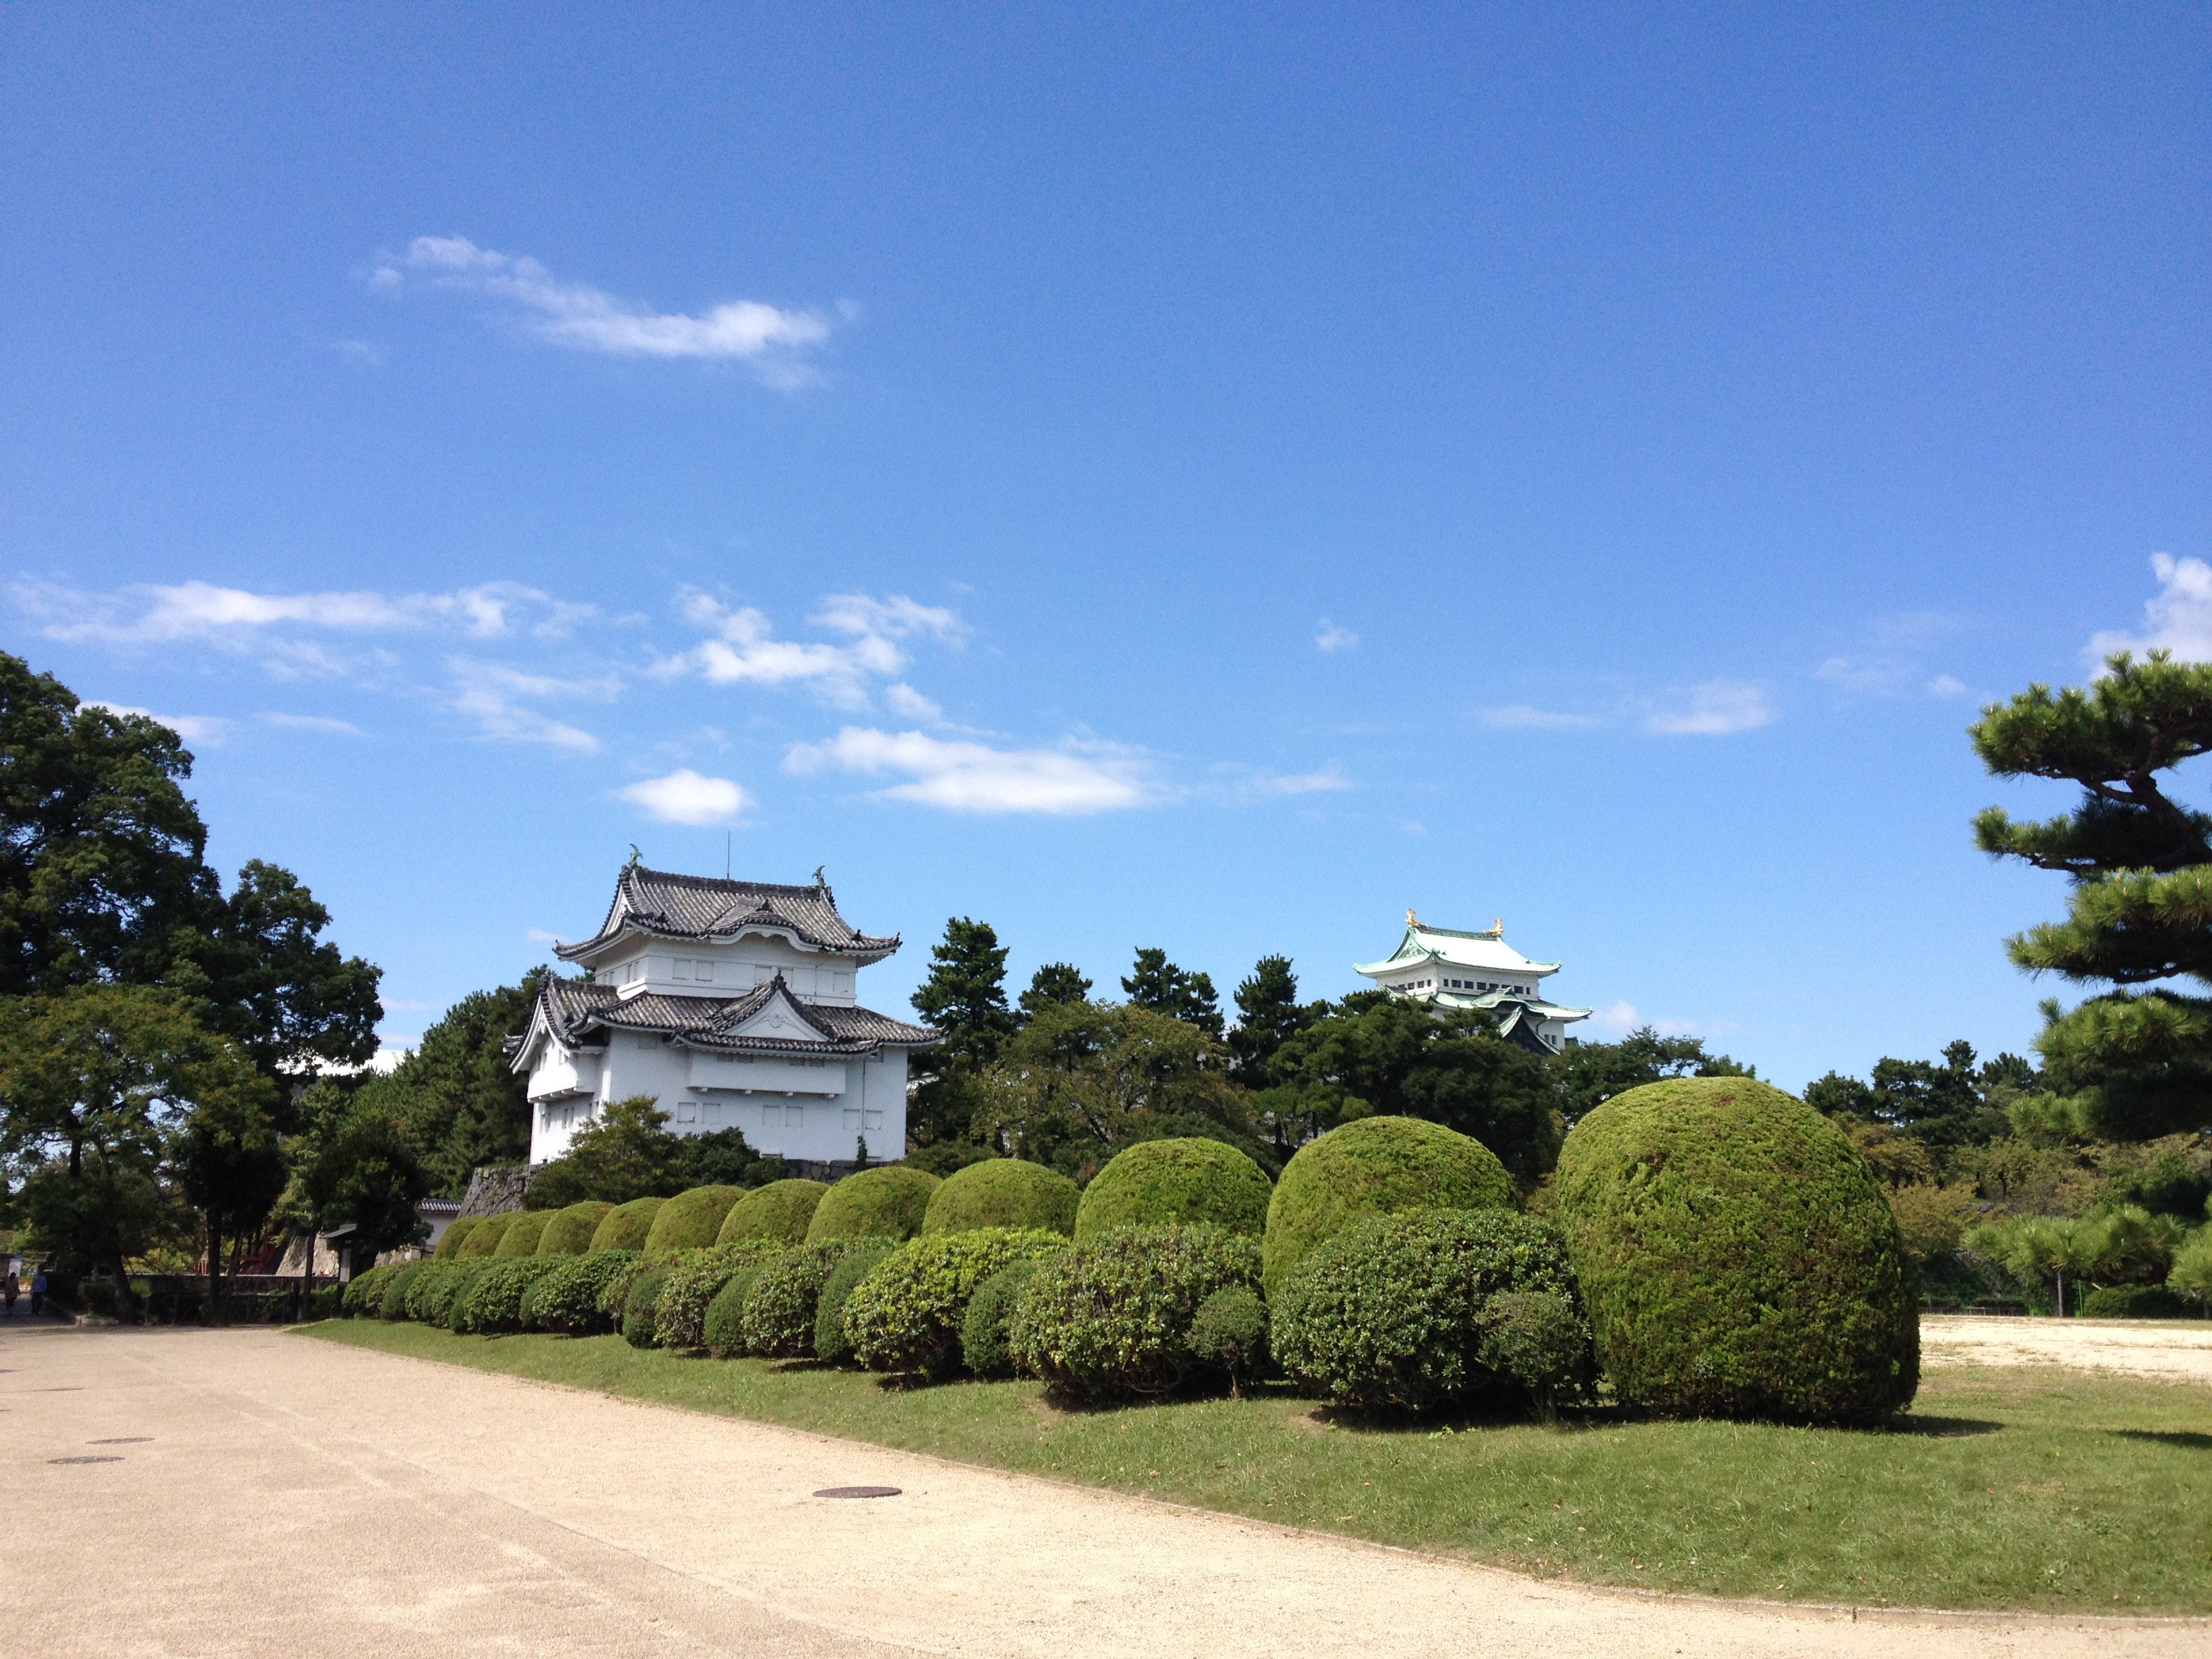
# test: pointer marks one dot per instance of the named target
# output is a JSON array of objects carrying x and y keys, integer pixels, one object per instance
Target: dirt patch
[{"x": 2142, "y": 1348}]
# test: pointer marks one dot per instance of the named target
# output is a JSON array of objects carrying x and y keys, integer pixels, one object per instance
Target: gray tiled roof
[
  {"x": 574, "y": 1007},
  {"x": 671, "y": 906}
]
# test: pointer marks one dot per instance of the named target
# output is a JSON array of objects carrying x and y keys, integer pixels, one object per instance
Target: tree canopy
[{"x": 1158, "y": 986}]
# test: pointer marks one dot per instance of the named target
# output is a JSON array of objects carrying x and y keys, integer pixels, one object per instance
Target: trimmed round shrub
[
  {"x": 779, "y": 1212},
  {"x": 1392, "y": 1314},
  {"x": 1111, "y": 1318},
  {"x": 363, "y": 1298},
  {"x": 568, "y": 1299},
  {"x": 483, "y": 1238},
  {"x": 1737, "y": 1256},
  {"x": 492, "y": 1304},
  {"x": 1542, "y": 1339},
  {"x": 987, "y": 1346},
  {"x": 905, "y": 1316},
  {"x": 2136, "y": 1302},
  {"x": 1007, "y": 1192},
  {"x": 832, "y": 1345},
  {"x": 780, "y": 1311},
  {"x": 523, "y": 1234},
  {"x": 456, "y": 1235},
  {"x": 1375, "y": 1166},
  {"x": 392, "y": 1304},
  {"x": 422, "y": 1289},
  {"x": 568, "y": 1232},
  {"x": 438, "y": 1298},
  {"x": 723, "y": 1330},
  {"x": 1156, "y": 1182},
  {"x": 624, "y": 1227},
  {"x": 690, "y": 1220},
  {"x": 888, "y": 1202},
  {"x": 1229, "y": 1334},
  {"x": 640, "y": 1303},
  {"x": 694, "y": 1278}
]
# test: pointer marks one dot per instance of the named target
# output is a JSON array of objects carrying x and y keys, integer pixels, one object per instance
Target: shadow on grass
[
  {"x": 2187, "y": 1439},
  {"x": 1933, "y": 1428}
]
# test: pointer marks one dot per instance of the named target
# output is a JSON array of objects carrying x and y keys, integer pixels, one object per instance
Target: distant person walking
[
  {"x": 10, "y": 1288},
  {"x": 38, "y": 1292}
]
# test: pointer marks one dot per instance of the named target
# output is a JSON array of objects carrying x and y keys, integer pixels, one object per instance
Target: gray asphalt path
[{"x": 274, "y": 1495}]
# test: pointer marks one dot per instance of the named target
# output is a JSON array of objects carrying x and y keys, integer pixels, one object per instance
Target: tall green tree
[
  {"x": 965, "y": 998},
  {"x": 625, "y": 1152},
  {"x": 1592, "y": 1073},
  {"x": 357, "y": 1165},
  {"x": 1268, "y": 1015},
  {"x": 2127, "y": 1064},
  {"x": 1958, "y": 1101},
  {"x": 460, "y": 1100},
  {"x": 1054, "y": 983},
  {"x": 1157, "y": 986}
]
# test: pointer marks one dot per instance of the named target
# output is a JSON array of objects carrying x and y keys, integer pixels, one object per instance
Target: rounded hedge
[
  {"x": 905, "y": 1316},
  {"x": 1394, "y": 1314},
  {"x": 1375, "y": 1166},
  {"x": 779, "y": 1314},
  {"x": 1738, "y": 1257},
  {"x": 987, "y": 1346},
  {"x": 492, "y": 1304},
  {"x": 483, "y": 1238},
  {"x": 523, "y": 1233},
  {"x": 363, "y": 1295},
  {"x": 426, "y": 1290},
  {"x": 392, "y": 1304},
  {"x": 694, "y": 1277},
  {"x": 723, "y": 1330},
  {"x": 1229, "y": 1334},
  {"x": 2136, "y": 1302},
  {"x": 624, "y": 1227},
  {"x": 568, "y": 1232},
  {"x": 888, "y": 1202},
  {"x": 640, "y": 1303},
  {"x": 1111, "y": 1319},
  {"x": 456, "y": 1235},
  {"x": 690, "y": 1220},
  {"x": 1156, "y": 1182},
  {"x": 1005, "y": 1193},
  {"x": 568, "y": 1299},
  {"x": 832, "y": 1345},
  {"x": 779, "y": 1212},
  {"x": 437, "y": 1298}
]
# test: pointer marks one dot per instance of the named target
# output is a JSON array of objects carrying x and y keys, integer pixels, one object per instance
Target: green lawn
[{"x": 2017, "y": 1488}]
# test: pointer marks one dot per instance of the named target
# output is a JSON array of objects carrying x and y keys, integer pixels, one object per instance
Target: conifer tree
[
  {"x": 1054, "y": 983},
  {"x": 1268, "y": 1015},
  {"x": 2126, "y": 1064},
  {"x": 965, "y": 998},
  {"x": 1156, "y": 984}
]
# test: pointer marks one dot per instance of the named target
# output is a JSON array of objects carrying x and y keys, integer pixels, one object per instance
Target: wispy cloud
[
  {"x": 495, "y": 696},
  {"x": 961, "y": 776},
  {"x": 909, "y": 704},
  {"x": 745, "y": 651},
  {"x": 688, "y": 796},
  {"x": 1329, "y": 638},
  {"x": 1714, "y": 709},
  {"x": 209, "y": 729},
  {"x": 2179, "y": 619},
  {"x": 311, "y": 723},
  {"x": 1234, "y": 782},
  {"x": 362, "y": 354},
  {"x": 1889, "y": 662},
  {"x": 1622, "y": 1018},
  {"x": 1522, "y": 717},
  {"x": 771, "y": 339}
]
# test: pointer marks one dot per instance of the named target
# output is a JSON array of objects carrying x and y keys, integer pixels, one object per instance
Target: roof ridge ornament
[{"x": 1411, "y": 920}]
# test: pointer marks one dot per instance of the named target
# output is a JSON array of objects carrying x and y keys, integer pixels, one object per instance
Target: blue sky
[{"x": 1210, "y": 478}]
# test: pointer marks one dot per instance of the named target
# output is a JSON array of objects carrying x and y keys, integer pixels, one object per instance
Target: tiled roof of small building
[
  {"x": 672, "y": 906},
  {"x": 574, "y": 1008}
]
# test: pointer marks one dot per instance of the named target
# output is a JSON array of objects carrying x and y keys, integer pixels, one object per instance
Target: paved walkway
[{"x": 277, "y": 1495}]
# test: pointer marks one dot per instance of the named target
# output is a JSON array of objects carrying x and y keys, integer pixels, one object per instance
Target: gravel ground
[
  {"x": 275, "y": 1495},
  {"x": 2146, "y": 1348}
]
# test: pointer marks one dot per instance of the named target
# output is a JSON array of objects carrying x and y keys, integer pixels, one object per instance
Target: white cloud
[
  {"x": 745, "y": 650},
  {"x": 1947, "y": 685},
  {"x": 2180, "y": 619},
  {"x": 1329, "y": 777},
  {"x": 1328, "y": 637},
  {"x": 589, "y": 318},
  {"x": 360, "y": 353},
  {"x": 311, "y": 723},
  {"x": 491, "y": 694},
  {"x": 688, "y": 796},
  {"x": 1716, "y": 708},
  {"x": 909, "y": 704},
  {"x": 973, "y": 777},
  {"x": 1622, "y": 1018},
  {"x": 193, "y": 728},
  {"x": 539, "y": 936},
  {"x": 1519, "y": 717}
]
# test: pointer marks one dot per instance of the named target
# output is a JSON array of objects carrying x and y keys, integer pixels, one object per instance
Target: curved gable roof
[{"x": 667, "y": 905}]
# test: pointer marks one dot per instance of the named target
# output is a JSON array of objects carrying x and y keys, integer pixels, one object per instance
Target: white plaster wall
[{"x": 753, "y": 960}]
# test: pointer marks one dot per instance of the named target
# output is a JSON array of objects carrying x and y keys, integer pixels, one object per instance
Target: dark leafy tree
[
  {"x": 1594, "y": 1073},
  {"x": 625, "y": 1152},
  {"x": 1378, "y": 1054},
  {"x": 1268, "y": 1015},
  {"x": 460, "y": 1100},
  {"x": 1157, "y": 986},
  {"x": 965, "y": 998},
  {"x": 1953, "y": 1102},
  {"x": 724, "y": 1158},
  {"x": 2126, "y": 1064},
  {"x": 357, "y": 1166},
  {"x": 1054, "y": 983}
]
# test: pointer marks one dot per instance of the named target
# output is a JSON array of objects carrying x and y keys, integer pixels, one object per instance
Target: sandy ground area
[
  {"x": 2181, "y": 1352},
  {"x": 271, "y": 1494}
]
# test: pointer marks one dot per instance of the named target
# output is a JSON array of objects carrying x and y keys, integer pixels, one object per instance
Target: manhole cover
[
  {"x": 858, "y": 1492},
  {"x": 109, "y": 1458},
  {"x": 121, "y": 1440}
]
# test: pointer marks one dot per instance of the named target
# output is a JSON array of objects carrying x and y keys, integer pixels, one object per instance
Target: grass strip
[{"x": 2022, "y": 1488}]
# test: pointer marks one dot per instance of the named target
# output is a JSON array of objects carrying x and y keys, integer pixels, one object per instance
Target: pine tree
[
  {"x": 2127, "y": 1064},
  {"x": 1268, "y": 1014},
  {"x": 1054, "y": 983},
  {"x": 1156, "y": 984},
  {"x": 965, "y": 995}
]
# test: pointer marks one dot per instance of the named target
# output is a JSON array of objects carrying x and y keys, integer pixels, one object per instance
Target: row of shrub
[{"x": 1714, "y": 1248}]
